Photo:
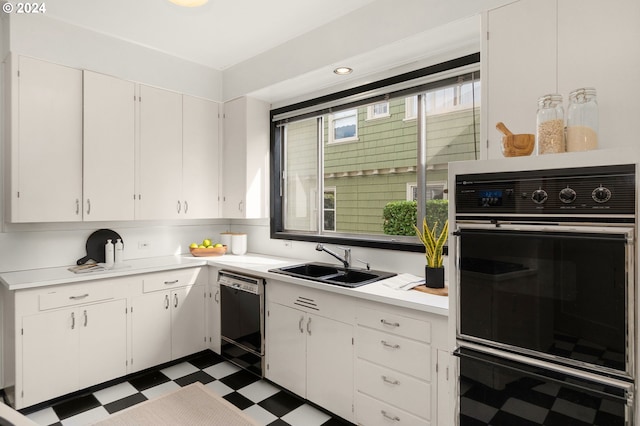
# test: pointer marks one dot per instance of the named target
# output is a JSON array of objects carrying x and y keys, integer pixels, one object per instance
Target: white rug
[{"x": 191, "y": 405}]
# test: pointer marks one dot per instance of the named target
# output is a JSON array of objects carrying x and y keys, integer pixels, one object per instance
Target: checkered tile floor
[{"x": 260, "y": 399}]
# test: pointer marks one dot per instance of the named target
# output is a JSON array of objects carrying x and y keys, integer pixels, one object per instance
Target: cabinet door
[
  {"x": 521, "y": 65},
  {"x": 109, "y": 150},
  {"x": 160, "y": 163},
  {"x": 286, "y": 348},
  {"x": 151, "y": 330},
  {"x": 47, "y": 182},
  {"x": 330, "y": 364},
  {"x": 595, "y": 58},
  {"x": 200, "y": 158},
  {"x": 235, "y": 159},
  {"x": 103, "y": 342},
  {"x": 187, "y": 321},
  {"x": 50, "y": 355},
  {"x": 214, "y": 320}
]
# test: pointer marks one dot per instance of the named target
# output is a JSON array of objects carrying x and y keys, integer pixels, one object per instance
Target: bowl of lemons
[{"x": 207, "y": 248}]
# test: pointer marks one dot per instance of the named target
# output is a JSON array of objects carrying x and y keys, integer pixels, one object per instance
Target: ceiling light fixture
[
  {"x": 343, "y": 70},
  {"x": 189, "y": 3}
]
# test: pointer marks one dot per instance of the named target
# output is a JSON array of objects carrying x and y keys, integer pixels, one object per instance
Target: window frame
[{"x": 339, "y": 101}]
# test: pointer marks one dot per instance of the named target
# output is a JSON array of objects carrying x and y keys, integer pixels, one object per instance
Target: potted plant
[{"x": 433, "y": 245}]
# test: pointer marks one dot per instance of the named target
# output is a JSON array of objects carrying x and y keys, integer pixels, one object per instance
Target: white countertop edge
[{"x": 248, "y": 264}]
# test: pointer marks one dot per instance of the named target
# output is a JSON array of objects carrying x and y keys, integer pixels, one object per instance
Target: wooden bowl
[
  {"x": 209, "y": 251},
  {"x": 518, "y": 145}
]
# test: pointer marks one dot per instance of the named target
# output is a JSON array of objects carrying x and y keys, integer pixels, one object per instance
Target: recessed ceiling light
[
  {"x": 343, "y": 70},
  {"x": 189, "y": 3}
]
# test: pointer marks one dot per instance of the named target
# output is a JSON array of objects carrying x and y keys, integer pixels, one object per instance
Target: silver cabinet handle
[
  {"x": 77, "y": 206},
  {"x": 387, "y": 416},
  {"x": 390, "y": 324},
  {"x": 217, "y": 297},
  {"x": 82, "y": 296},
  {"x": 73, "y": 320},
  {"x": 88, "y": 206},
  {"x": 175, "y": 300},
  {"x": 171, "y": 282},
  {"x": 179, "y": 206},
  {"x": 186, "y": 207},
  {"x": 240, "y": 205},
  {"x": 86, "y": 318},
  {"x": 300, "y": 325},
  {"x": 390, "y": 381},
  {"x": 166, "y": 301},
  {"x": 389, "y": 345},
  {"x": 309, "y": 326}
]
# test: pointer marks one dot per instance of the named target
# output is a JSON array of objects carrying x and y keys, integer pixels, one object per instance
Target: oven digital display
[{"x": 490, "y": 198}]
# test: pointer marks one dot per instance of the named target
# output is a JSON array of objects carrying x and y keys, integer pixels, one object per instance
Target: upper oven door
[{"x": 564, "y": 293}]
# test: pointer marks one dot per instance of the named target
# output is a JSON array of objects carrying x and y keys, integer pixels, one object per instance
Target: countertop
[{"x": 256, "y": 264}]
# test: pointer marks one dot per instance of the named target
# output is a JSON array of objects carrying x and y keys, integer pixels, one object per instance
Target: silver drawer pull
[
  {"x": 390, "y": 381},
  {"x": 79, "y": 297},
  {"x": 300, "y": 325},
  {"x": 390, "y": 324},
  {"x": 389, "y": 345},
  {"x": 392, "y": 418},
  {"x": 171, "y": 282}
]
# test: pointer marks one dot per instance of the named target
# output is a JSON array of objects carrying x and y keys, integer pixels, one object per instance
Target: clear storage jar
[
  {"x": 582, "y": 120},
  {"x": 550, "y": 124}
]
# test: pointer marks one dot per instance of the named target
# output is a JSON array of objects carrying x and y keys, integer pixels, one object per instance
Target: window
[
  {"x": 392, "y": 162},
  {"x": 344, "y": 126},
  {"x": 378, "y": 110},
  {"x": 329, "y": 212}
]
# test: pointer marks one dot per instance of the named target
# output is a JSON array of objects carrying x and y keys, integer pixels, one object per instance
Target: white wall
[{"x": 59, "y": 42}]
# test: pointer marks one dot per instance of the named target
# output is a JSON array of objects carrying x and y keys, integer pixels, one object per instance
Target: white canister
[
  {"x": 225, "y": 240},
  {"x": 108, "y": 253},
  {"x": 238, "y": 244}
]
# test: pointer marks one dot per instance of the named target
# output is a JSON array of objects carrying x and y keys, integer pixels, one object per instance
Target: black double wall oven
[{"x": 545, "y": 302}]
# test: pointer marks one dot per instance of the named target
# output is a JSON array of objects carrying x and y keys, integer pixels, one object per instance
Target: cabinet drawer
[
  {"x": 394, "y": 323},
  {"x": 395, "y": 352},
  {"x": 372, "y": 412},
  {"x": 170, "y": 279},
  {"x": 74, "y": 296},
  {"x": 395, "y": 388}
]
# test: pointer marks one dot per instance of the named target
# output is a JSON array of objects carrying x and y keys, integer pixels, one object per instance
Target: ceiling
[{"x": 220, "y": 34}]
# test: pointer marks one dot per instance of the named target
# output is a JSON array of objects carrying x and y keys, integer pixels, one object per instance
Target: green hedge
[{"x": 399, "y": 216}]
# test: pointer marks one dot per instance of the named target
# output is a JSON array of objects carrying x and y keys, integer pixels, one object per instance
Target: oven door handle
[
  {"x": 547, "y": 232},
  {"x": 556, "y": 375}
]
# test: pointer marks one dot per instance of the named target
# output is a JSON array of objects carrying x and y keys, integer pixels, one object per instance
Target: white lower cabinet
[
  {"x": 70, "y": 349},
  {"x": 310, "y": 348},
  {"x": 168, "y": 321},
  {"x": 397, "y": 377}
]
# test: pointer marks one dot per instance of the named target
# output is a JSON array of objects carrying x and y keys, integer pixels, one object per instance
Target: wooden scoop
[{"x": 500, "y": 126}]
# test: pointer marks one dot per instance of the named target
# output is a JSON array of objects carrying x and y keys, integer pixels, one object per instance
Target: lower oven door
[
  {"x": 564, "y": 293},
  {"x": 493, "y": 390}
]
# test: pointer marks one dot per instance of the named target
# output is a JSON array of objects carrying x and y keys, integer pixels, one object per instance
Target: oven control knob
[
  {"x": 539, "y": 196},
  {"x": 601, "y": 194},
  {"x": 567, "y": 195}
]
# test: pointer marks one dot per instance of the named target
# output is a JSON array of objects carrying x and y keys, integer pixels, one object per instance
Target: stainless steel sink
[{"x": 332, "y": 274}]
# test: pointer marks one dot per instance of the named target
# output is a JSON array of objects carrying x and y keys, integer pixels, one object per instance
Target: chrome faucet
[{"x": 346, "y": 260}]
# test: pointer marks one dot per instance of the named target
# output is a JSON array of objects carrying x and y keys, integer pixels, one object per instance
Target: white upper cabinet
[
  {"x": 109, "y": 148},
  {"x": 200, "y": 157},
  {"x": 178, "y": 163},
  {"x": 160, "y": 162},
  {"x": 46, "y": 142},
  {"x": 537, "y": 47},
  {"x": 245, "y": 179}
]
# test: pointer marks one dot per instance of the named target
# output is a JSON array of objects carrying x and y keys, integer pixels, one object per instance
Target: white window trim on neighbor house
[
  {"x": 412, "y": 190},
  {"x": 372, "y": 114},
  {"x": 332, "y": 120},
  {"x": 334, "y": 210}
]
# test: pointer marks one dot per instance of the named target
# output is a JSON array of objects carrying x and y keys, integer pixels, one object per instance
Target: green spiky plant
[{"x": 433, "y": 244}]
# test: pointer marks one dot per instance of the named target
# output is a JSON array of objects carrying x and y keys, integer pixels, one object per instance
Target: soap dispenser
[
  {"x": 118, "y": 252},
  {"x": 108, "y": 253}
]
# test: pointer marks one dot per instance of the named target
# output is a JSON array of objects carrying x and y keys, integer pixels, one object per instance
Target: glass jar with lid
[
  {"x": 582, "y": 120},
  {"x": 550, "y": 124}
]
